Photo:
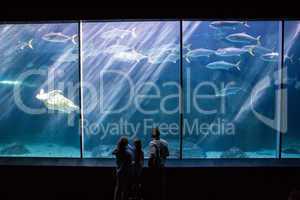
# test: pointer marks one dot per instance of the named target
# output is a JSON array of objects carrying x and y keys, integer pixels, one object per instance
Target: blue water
[
  {"x": 126, "y": 93},
  {"x": 129, "y": 79},
  {"x": 42, "y": 134},
  {"x": 238, "y": 112},
  {"x": 291, "y": 140}
]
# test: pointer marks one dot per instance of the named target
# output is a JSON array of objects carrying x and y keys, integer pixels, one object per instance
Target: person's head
[
  {"x": 155, "y": 134},
  {"x": 122, "y": 144},
  {"x": 137, "y": 144}
]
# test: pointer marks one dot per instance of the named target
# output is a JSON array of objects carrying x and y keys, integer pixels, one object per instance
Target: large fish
[
  {"x": 58, "y": 37},
  {"x": 257, "y": 49},
  {"x": 118, "y": 33},
  {"x": 163, "y": 56},
  {"x": 228, "y": 24},
  {"x": 234, "y": 51},
  {"x": 229, "y": 90},
  {"x": 129, "y": 56},
  {"x": 243, "y": 38},
  {"x": 223, "y": 65},
  {"x": 54, "y": 100},
  {"x": 116, "y": 48},
  {"x": 195, "y": 53}
]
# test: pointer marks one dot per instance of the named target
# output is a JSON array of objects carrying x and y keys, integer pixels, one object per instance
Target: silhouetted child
[{"x": 138, "y": 165}]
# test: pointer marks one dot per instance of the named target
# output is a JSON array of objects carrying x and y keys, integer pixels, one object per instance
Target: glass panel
[
  {"x": 291, "y": 140},
  {"x": 229, "y": 68},
  {"x": 39, "y": 97},
  {"x": 131, "y": 75}
]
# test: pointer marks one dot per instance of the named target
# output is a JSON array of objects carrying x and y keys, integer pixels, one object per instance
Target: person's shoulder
[
  {"x": 152, "y": 142},
  {"x": 115, "y": 152},
  {"x": 164, "y": 142}
]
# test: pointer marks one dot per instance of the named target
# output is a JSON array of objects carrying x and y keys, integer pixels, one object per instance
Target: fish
[
  {"x": 129, "y": 56},
  {"x": 243, "y": 38},
  {"x": 55, "y": 100},
  {"x": 258, "y": 49},
  {"x": 270, "y": 57},
  {"x": 15, "y": 83},
  {"x": 234, "y": 51},
  {"x": 116, "y": 33},
  {"x": 223, "y": 65},
  {"x": 195, "y": 53},
  {"x": 290, "y": 58},
  {"x": 58, "y": 37},
  {"x": 163, "y": 56},
  {"x": 116, "y": 48},
  {"x": 173, "y": 57},
  {"x": 229, "y": 90},
  {"x": 297, "y": 85},
  {"x": 228, "y": 24},
  {"x": 28, "y": 44}
]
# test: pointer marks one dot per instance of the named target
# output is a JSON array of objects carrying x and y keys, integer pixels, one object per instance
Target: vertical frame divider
[
  {"x": 283, "y": 68},
  {"x": 80, "y": 89},
  {"x": 181, "y": 100},
  {"x": 281, "y": 88}
]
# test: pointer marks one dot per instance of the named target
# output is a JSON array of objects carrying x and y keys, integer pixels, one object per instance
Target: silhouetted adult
[
  {"x": 138, "y": 165},
  {"x": 123, "y": 169},
  {"x": 158, "y": 153}
]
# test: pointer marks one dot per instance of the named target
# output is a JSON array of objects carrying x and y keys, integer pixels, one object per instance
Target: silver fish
[
  {"x": 234, "y": 51},
  {"x": 195, "y": 53},
  {"x": 297, "y": 85},
  {"x": 228, "y": 24},
  {"x": 118, "y": 33},
  {"x": 129, "y": 56},
  {"x": 270, "y": 57},
  {"x": 24, "y": 45},
  {"x": 116, "y": 49},
  {"x": 58, "y": 37},
  {"x": 163, "y": 56},
  {"x": 15, "y": 83},
  {"x": 258, "y": 49},
  {"x": 243, "y": 38},
  {"x": 223, "y": 65},
  {"x": 230, "y": 90}
]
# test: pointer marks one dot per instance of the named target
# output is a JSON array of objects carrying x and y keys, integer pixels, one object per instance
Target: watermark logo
[{"x": 117, "y": 93}]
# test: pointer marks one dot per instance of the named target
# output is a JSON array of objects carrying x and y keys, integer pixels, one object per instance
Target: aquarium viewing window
[{"x": 216, "y": 89}]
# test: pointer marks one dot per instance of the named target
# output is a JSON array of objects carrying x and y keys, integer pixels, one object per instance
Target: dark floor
[{"x": 186, "y": 183}]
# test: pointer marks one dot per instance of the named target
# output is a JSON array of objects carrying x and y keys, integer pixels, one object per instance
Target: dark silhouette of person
[
  {"x": 158, "y": 153},
  {"x": 123, "y": 169},
  {"x": 138, "y": 165}
]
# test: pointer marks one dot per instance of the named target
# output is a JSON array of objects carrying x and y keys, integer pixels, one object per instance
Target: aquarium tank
[
  {"x": 39, "y": 81},
  {"x": 215, "y": 89},
  {"x": 291, "y": 139},
  {"x": 226, "y": 70},
  {"x": 130, "y": 84}
]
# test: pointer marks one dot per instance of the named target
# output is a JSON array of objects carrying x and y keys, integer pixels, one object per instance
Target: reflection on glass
[
  {"x": 291, "y": 140},
  {"x": 229, "y": 70},
  {"x": 39, "y": 90},
  {"x": 130, "y": 83}
]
